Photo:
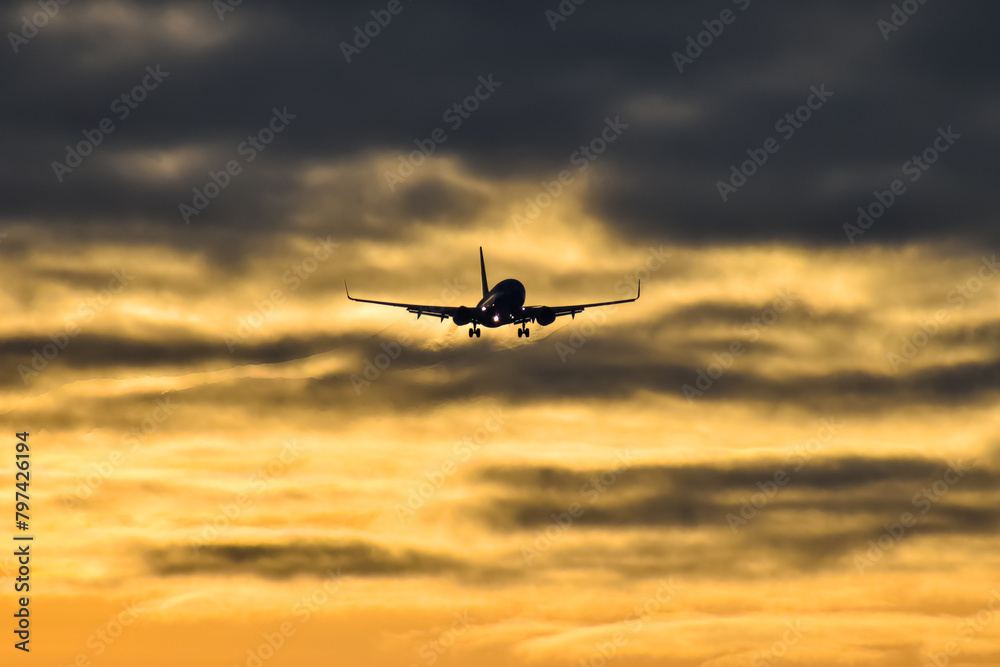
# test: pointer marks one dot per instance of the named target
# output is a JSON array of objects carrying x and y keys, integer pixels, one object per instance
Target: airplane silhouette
[{"x": 504, "y": 304}]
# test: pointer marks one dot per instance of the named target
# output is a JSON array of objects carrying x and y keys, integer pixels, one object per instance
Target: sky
[{"x": 787, "y": 451}]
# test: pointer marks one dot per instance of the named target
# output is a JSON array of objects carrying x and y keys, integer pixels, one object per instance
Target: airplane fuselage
[{"x": 501, "y": 304}]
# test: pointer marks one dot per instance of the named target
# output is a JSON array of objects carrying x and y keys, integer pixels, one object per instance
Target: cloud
[
  {"x": 97, "y": 413},
  {"x": 680, "y": 532},
  {"x": 657, "y": 182},
  {"x": 349, "y": 558},
  {"x": 825, "y": 510},
  {"x": 97, "y": 351}
]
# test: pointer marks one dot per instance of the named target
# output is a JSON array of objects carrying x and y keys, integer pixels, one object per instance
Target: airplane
[{"x": 504, "y": 304}]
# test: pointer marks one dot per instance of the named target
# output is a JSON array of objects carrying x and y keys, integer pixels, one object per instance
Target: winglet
[
  {"x": 638, "y": 288},
  {"x": 482, "y": 268},
  {"x": 347, "y": 290}
]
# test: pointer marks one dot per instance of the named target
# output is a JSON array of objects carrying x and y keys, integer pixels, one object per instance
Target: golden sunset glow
[
  {"x": 218, "y": 489},
  {"x": 786, "y": 451}
]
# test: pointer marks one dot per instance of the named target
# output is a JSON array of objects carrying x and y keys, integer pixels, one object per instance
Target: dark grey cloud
[
  {"x": 823, "y": 474},
  {"x": 349, "y": 558},
  {"x": 656, "y": 182},
  {"x": 798, "y": 315},
  {"x": 96, "y": 351},
  {"x": 987, "y": 334},
  {"x": 827, "y": 510},
  {"x": 696, "y": 494},
  {"x": 616, "y": 364},
  {"x": 627, "y": 365},
  {"x": 822, "y": 518}
]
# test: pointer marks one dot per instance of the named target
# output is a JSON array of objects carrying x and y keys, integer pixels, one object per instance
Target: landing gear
[
  {"x": 523, "y": 331},
  {"x": 473, "y": 331}
]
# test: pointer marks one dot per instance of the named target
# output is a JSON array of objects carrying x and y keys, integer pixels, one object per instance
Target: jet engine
[
  {"x": 545, "y": 316},
  {"x": 462, "y": 316}
]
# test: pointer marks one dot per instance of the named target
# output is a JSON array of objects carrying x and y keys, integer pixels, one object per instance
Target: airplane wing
[
  {"x": 444, "y": 312},
  {"x": 533, "y": 312}
]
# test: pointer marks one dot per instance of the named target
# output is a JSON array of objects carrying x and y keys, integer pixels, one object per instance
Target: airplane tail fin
[{"x": 482, "y": 268}]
